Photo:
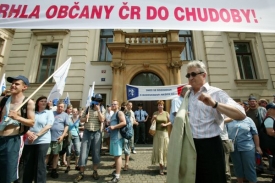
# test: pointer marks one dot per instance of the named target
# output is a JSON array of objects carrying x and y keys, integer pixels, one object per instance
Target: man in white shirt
[{"x": 206, "y": 108}]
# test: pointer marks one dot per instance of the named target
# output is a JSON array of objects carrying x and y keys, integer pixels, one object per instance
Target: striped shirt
[
  {"x": 205, "y": 121},
  {"x": 93, "y": 123}
]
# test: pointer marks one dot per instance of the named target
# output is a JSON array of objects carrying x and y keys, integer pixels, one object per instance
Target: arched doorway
[{"x": 147, "y": 79}]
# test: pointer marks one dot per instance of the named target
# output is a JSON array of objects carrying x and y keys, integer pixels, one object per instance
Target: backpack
[
  {"x": 126, "y": 131},
  {"x": 267, "y": 141},
  {"x": 22, "y": 128}
]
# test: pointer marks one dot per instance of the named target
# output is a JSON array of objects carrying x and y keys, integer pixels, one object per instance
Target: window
[
  {"x": 187, "y": 53},
  {"x": 2, "y": 41},
  {"x": 245, "y": 60},
  {"x": 47, "y": 62},
  {"x": 106, "y": 36}
]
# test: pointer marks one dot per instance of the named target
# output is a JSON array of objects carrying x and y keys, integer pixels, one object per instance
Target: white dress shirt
[{"x": 205, "y": 121}]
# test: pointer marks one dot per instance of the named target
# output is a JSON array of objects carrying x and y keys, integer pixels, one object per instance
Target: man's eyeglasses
[
  {"x": 114, "y": 104},
  {"x": 193, "y": 74}
]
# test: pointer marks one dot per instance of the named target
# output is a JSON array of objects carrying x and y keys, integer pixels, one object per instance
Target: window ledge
[
  {"x": 251, "y": 82},
  {"x": 40, "y": 32},
  {"x": 100, "y": 62},
  {"x": 38, "y": 84}
]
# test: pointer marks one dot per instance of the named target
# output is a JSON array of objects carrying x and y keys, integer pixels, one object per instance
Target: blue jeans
[
  {"x": 76, "y": 142},
  {"x": 91, "y": 140}
]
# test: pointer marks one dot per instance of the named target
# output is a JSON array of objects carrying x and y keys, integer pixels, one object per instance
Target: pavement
[{"x": 140, "y": 170}]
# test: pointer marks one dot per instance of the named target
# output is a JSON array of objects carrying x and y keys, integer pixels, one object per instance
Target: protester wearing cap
[
  {"x": 267, "y": 133},
  {"x": 141, "y": 118},
  {"x": 10, "y": 140}
]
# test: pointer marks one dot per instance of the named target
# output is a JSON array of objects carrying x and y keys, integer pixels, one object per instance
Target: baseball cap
[
  {"x": 140, "y": 104},
  {"x": 270, "y": 106},
  {"x": 20, "y": 77}
]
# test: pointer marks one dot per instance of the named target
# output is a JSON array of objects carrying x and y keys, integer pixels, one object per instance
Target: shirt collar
[
  {"x": 36, "y": 112},
  {"x": 206, "y": 87}
]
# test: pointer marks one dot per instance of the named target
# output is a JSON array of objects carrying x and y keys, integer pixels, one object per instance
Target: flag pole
[{"x": 19, "y": 107}]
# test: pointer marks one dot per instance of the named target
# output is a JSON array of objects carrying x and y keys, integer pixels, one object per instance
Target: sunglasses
[
  {"x": 114, "y": 104},
  {"x": 193, "y": 74}
]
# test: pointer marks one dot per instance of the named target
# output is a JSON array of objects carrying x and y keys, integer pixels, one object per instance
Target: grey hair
[{"x": 198, "y": 64}]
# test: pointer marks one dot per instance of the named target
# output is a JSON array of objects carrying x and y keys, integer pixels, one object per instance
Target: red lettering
[
  {"x": 96, "y": 12},
  {"x": 15, "y": 11},
  {"x": 85, "y": 12},
  {"x": 213, "y": 15},
  {"x": 225, "y": 15},
  {"x": 108, "y": 11},
  {"x": 63, "y": 11},
  {"x": 135, "y": 11},
  {"x": 23, "y": 13},
  {"x": 246, "y": 14},
  {"x": 71, "y": 14},
  {"x": 235, "y": 14},
  {"x": 163, "y": 10},
  {"x": 4, "y": 10},
  {"x": 203, "y": 18},
  {"x": 35, "y": 12},
  {"x": 190, "y": 14},
  {"x": 151, "y": 13},
  {"x": 51, "y": 11},
  {"x": 176, "y": 14},
  {"x": 121, "y": 15}
]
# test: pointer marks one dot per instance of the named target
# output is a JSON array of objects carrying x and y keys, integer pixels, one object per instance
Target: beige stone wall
[{"x": 21, "y": 56}]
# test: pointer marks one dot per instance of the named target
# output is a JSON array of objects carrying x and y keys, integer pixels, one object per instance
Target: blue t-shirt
[
  {"x": 244, "y": 139},
  {"x": 42, "y": 119},
  {"x": 73, "y": 127},
  {"x": 60, "y": 122},
  {"x": 115, "y": 134}
]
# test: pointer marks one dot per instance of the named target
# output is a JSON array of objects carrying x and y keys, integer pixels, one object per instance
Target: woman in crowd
[
  {"x": 246, "y": 142},
  {"x": 267, "y": 134},
  {"x": 161, "y": 139},
  {"x": 37, "y": 143},
  {"x": 73, "y": 129}
]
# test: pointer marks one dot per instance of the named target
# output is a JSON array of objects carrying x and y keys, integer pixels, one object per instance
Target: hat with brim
[
  {"x": 20, "y": 77},
  {"x": 270, "y": 106}
]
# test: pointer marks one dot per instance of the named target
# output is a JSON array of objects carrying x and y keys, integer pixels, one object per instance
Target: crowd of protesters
[{"x": 208, "y": 128}]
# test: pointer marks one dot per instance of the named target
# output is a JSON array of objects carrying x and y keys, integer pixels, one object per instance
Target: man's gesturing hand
[{"x": 207, "y": 99}]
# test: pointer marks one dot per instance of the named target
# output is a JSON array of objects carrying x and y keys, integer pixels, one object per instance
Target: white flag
[
  {"x": 90, "y": 94},
  {"x": 3, "y": 83},
  {"x": 60, "y": 75},
  {"x": 54, "y": 94}
]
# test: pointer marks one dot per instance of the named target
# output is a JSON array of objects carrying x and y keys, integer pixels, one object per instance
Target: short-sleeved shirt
[
  {"x": 42, "y": 119},
  {"x": 140, "y": 115},
  {"x": 61, "y": 120},
  {"x": 93, "y": 123},
  {"x": 268, "y": 123},
  {"x": 244, "y": 139},
  {"x": 175, "y": 106},
  {"x": 73, "y": 126},
  {"x": 131, "y": 115},
  {"x": 204, "y": 120}
]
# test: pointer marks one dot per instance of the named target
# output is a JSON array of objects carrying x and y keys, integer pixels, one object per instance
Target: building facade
[{"x": 242, "y": 64}]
